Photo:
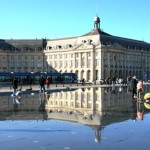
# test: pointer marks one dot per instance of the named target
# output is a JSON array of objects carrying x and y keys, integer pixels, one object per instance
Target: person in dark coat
[
  {"x": 42, "y": 83},
  {"x": 15, "y": 85},
  {"x": 134, "y": 86}
]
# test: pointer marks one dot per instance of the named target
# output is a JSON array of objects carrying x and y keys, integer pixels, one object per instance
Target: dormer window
[
  {"x": 68, "y": 46},
  {"x": 89, "y": 41},
  {"x": 83, "y": 41},
  {"x": 49, "y": 47},
  {"x": 58, "y": 46}
]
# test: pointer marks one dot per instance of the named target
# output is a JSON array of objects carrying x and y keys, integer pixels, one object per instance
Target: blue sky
[{"x": 30, "y": 19}]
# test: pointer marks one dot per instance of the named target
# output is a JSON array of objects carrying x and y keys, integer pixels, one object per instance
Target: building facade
[
  {"x": 93, "y": 56},
  {"x": 98, "y": 55},
  {"x": 22, "y": 55}
]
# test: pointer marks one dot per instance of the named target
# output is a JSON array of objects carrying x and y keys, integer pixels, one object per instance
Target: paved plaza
[{"x": 35, "y": 88}]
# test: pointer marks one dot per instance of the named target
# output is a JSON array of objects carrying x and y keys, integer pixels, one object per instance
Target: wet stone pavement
[{"x": 97, "y": 118}]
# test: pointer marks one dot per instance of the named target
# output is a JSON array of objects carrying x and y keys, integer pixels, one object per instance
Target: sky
[{"x": 31, "y": 19}]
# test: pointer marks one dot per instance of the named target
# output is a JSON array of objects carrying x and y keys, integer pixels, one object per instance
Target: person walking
[
  {"x": 83, "y": 81},
  {"x": 140, "y": 89},
  {"x": 15, "y": 86},
  {"x": 113, "y": 80},
  {"x": 47, "y": 82},
  {"x": 134, "y": 86},
  {"x": 128, "y": 80},
  {"x": 42, "y": 83}
]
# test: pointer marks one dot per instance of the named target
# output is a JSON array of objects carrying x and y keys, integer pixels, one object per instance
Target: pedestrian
[
  {"x": 42, "y": 83},
  {"x": 140, "y": 89},
  {"x": 83, "y": 81},
  {"x": 134, "y": 86},
  {"x": 128, "y": 80},
  {"x": 113, "y": 80},
  {"x": 18, "y": 93},
  {"x": 47, "y": 82},
  {"x": 15, "y": 85}
]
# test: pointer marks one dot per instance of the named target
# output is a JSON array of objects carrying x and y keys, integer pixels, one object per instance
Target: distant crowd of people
[
  {"x": 113, "y": 80},
  {"x": 135, "y": 86},
  {"x": 42, "y": 82}
]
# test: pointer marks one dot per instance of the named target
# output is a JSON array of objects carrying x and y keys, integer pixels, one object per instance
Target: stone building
[
  {"x": 22, "y": 55},
  {"x": 98, "y": 55},
  {"x": 92, "y": 56}
]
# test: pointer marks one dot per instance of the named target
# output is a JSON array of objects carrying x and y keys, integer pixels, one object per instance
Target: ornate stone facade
[
  {"x": 92, "y": 56},
  {"x": 98, "y": 55}
]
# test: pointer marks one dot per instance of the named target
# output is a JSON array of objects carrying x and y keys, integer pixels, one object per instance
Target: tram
[{"x": 6, "y": 78}]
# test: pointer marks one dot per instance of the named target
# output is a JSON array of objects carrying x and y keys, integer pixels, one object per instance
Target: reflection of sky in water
[{"x": 34, "y": 122}]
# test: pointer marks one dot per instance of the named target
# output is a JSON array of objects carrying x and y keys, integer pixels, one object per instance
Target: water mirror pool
[{"x": 78, "y": 119}]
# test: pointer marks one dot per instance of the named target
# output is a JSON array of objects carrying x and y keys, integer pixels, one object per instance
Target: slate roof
[
  {"x": 4, "y": 45},
  {"x": 107, "y": 39},
  {"x": 21, "y": 44}
]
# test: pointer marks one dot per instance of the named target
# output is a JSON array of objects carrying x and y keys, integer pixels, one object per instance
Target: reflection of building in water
[
  {"x": 94, "y": 107},
  {"x": 26, "y": 108},
  {"x": 88, "y": 100},
  {"x": 90, "y": 106}
]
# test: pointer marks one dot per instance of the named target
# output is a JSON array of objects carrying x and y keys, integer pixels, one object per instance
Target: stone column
[
  {"x": 74, "y": 60},
  {"x": 63, "y": 66},
  {"x": 86, "y": 64},
  {"x": 93, "y": 65},
  {"x": 86, "y": 61},
  {"x": 80, "y": 63},
  {"x": 80, "y": 66}
]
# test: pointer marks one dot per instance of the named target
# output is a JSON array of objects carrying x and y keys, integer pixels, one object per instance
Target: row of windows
[
  {"x": 87, "y": 96},
  {"x": 60, "y": 56},
  {"x": 70, "y": 63},
  {"x": 59, "y": 47},
  {"x": 20, "y": 67},
  {"x": 89, "y": 41},
  {"x": 71, "y": 104},
  {"x": 25, "y": 48},
  {"x": 123, "y": 62},
  {"x": 25, "y": 64},
  {"x": 19, "y": 57},
  {"x": 132, "y": 47}
]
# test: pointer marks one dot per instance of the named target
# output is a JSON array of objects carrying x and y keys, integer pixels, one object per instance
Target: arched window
[
  {"x": 104, "y": 74},
  {"x": 88, "y": 75},
  {"x": 97, "y": 74},
  {"x": 116, "y": 73},
  {"x": 111, "y": 73},
  {"x": 120, "y": 73}
]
